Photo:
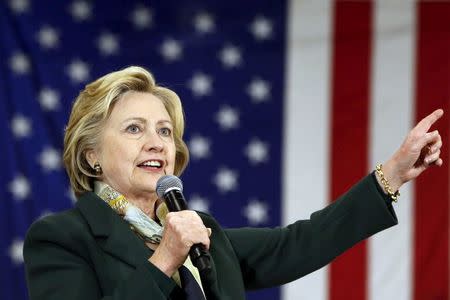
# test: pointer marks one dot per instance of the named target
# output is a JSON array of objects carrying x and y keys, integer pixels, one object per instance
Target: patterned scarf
[{"x": 144, "y": 226}]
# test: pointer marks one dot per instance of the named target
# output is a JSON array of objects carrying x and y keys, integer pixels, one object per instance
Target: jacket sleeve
[
  {"x": 56, "y": 270},
  {"x": 271, "y": 257}
]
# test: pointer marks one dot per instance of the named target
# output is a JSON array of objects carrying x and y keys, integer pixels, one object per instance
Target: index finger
[{"x": 425, "y": 124}]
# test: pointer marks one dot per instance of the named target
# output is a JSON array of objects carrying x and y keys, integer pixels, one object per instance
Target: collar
[
  {"x": 147, "y": 228},
  {"x": 119, "y": 203}
]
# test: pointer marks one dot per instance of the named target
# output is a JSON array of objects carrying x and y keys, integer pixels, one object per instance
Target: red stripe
[
  {"x": 431, "y": 240},
  {"x": 350, "y": 131}
]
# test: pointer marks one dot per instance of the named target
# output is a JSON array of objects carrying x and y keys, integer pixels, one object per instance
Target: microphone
[{"x": 170, "y": 188}]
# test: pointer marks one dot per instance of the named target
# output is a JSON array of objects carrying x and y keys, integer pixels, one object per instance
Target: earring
[{"x": 98, "y": 168}]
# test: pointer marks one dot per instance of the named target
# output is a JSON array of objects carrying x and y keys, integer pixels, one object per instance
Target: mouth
[{"x": 152, "y": 165}]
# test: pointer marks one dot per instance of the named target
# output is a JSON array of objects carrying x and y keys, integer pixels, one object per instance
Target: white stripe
[
  {"x": 305, "y": 165},
  {"x": 390, "y": 252}
]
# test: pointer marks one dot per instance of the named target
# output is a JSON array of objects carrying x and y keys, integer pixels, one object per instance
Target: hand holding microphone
[{"x": 184, "y": 231}]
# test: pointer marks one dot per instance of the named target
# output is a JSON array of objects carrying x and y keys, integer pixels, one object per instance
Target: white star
[
  {"x": 50, "y": 159},
  {"x": 16, "y": 251},
  {"x": 21, "y": 126},
  {"x": 71, "y": 195},
  {"x": 230, "y": 56},
  {"x": 198, "y": 203},
  {"x": 108, "y": 44},
  {"x": 261, "y": 28},
  {"x": 199, "y": 147},
  {"x": 48, "y": 37},
  {"x": 171, "y": 50},
  {"x": 49, "y": 99},
  {"x": 78, "y": 71},
  {"x": 19, "y": 6},
  {"x": 20, "y": 63},
  {"x": 200, "y": 84},
  {"x": 225, "y": 180},
  {"x": 142, "y": 17},
  {"x": 257, "y": 151},
  {"x": 81, "y": 10},
  {"x": 204, "y": 23},
  {"x": 259, "y": 90},
  {"x": 20, "y": 187},
  {"x": 256, "y": 212},
  {"x": 45, "y": 213},
  {"x": 228, "y": 118}
]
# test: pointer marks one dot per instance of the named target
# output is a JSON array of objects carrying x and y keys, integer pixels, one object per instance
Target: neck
[{"x": 146, "y": 204}]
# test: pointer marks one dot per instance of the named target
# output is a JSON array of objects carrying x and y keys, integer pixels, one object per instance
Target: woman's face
[{"x": 137, "y": 145}]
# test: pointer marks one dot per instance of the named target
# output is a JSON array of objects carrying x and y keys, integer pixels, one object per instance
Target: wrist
[
  {"x": 389, "y": 189},
  {"x": 390, "y": 174},
  {"x": 163, "y": 263}
]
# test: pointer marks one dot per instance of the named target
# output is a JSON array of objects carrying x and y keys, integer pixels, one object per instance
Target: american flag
[{"x": 288, "y": 103}]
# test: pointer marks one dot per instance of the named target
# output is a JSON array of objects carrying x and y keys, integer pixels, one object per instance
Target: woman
[{"x": 119, "y": 242}]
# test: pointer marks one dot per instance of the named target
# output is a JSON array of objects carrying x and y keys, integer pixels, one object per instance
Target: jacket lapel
[{"x": 113, "y": 234}]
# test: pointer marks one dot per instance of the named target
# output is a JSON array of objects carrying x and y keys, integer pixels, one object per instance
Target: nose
[{"x": 153, "y": 142}]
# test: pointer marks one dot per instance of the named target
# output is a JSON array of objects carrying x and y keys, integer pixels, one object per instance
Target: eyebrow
[{"x": 143, "y": 120}]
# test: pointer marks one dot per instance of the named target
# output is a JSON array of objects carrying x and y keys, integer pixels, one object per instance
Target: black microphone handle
[{"x": 199, "y": 255}]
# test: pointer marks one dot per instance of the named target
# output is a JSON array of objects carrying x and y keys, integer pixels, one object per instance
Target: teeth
[{"x": 152, "y": 163}]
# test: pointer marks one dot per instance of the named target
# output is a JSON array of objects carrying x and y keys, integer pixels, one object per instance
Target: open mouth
[{"x": 153, "y": 164}]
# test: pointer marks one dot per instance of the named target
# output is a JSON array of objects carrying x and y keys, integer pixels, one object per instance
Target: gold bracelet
[{"x": 385, "y": 183}]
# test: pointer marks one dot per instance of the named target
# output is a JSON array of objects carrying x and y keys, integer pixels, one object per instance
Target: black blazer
[{"x": 89, "y": 252}]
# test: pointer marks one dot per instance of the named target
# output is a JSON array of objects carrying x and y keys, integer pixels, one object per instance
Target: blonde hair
[{"x": 93, "y": 106}]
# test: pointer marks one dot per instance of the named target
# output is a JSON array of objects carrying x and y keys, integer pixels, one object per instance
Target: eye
[
  {"x": 133, "y": 128},
  {"x": 165, "y": 131}
]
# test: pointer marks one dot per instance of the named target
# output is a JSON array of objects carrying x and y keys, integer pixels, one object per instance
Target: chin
[
  {"x": 146, "y": 190},
  {"x": 150, "y": 179}
]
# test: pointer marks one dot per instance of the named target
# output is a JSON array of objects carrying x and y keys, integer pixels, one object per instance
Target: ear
[{"x": 91, "y": 157}]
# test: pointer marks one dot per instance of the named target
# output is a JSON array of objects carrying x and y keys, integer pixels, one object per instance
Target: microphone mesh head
[{"x": 166, "y": 182}]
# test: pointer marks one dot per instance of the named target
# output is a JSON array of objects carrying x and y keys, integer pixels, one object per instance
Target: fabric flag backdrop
[
  {"x": 287, "y": 105},
  {"x": 360, "y": 74}
]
